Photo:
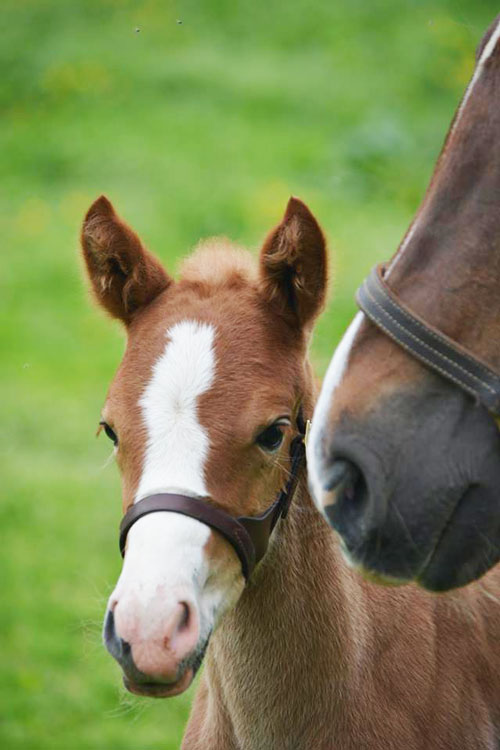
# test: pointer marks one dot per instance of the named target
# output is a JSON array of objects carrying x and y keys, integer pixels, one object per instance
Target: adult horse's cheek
[{"x": 165, "y": 604}]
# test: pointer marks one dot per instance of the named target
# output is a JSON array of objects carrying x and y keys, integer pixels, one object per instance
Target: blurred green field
[{"x": 196, "y": 119}]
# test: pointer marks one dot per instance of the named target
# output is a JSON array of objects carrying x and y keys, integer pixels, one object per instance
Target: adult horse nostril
[
  {"x": 342, "y": 477},
  {"x": 346, "y": 496}
]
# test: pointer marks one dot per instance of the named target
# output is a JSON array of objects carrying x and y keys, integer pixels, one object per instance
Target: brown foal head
[
  {"x": 204, "y": 404},
  {"x": 405, "y": 464}
]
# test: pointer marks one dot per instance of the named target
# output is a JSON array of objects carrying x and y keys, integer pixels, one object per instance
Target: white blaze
[
  {"x": 177, "y": 445},
  {"x": 165, "y": 560},
  {"x": 333, "y": 378}
]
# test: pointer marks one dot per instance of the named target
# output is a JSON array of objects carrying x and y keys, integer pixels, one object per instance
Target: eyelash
[{"x": 111, "y": 434}]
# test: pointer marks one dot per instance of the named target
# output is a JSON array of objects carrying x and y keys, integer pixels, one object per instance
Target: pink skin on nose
[{"x": 159, "y": 657}]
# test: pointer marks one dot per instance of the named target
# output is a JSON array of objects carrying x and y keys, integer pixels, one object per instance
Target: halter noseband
[
  {"x": 249, "y": 535},
  {"x": 426, "y": 343}
]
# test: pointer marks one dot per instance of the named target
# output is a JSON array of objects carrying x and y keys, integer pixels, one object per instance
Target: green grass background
[{"x": 196, "y": 128}]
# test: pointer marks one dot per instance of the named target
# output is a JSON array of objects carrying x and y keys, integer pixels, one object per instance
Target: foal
[{"x": 205, "y": 403}]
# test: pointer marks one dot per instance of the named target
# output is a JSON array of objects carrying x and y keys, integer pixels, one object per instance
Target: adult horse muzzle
[{"x": 413, "y": 488}]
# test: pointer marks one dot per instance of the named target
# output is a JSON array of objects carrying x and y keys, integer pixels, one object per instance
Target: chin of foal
[{"x": 204, "y": 403}]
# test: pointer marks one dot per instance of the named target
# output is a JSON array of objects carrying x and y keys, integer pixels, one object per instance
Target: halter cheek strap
[
  {"x": 424, "y": 342},
  {"x": 249, "y": 535}
]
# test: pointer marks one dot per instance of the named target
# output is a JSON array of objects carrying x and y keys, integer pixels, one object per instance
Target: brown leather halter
[
  {"x": 427, "y": 344},
  {"x": 249, "y": 535}
]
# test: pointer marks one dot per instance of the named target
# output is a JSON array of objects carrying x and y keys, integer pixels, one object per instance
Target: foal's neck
[{"x": 289, "y": 643}]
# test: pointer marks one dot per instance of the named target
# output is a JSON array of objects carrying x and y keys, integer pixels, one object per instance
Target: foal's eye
[
  {"x": 109, "y": 432},
  {"x": 271, "y": 438}
]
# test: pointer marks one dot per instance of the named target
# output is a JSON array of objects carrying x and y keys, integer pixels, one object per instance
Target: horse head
[
  {"x": 404, "y": 463},
  {"x": 204, "y": 404}
]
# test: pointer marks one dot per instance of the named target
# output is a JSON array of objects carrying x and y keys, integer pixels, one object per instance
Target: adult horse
[
  {"x": 207, "y": 414},
  {"x": 404, "y": 460}
]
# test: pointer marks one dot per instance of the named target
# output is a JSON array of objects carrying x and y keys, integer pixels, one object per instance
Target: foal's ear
[
  {"x": 293, "y": 265},
  {"x": 123, "y": 274}
]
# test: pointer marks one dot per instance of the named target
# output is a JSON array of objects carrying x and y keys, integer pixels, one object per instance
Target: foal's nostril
[
  {"x": 113, "y": 643},
  {"x": 186, "y": 616},
  {"x": 109, "y": 627},
  {"x": 117, "y": 647}
]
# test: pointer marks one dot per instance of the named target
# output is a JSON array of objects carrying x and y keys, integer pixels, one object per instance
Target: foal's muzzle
[{"x": 152, "y": 683}]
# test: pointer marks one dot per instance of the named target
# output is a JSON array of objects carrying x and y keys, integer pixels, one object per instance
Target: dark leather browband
[
  {"x": 430, "y": 346},
  {"x": 249, "y": 535}
]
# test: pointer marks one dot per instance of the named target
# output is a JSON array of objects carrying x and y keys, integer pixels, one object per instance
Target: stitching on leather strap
[
  {"x": 391, "y": 335},
  {"x": 434, "y": 351},
  {"x": 441, "y": 338}
]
